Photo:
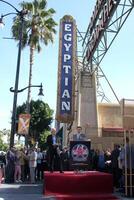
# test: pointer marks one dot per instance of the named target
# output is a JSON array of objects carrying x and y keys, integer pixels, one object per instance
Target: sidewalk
[
  {"x": 30, "y": 192},
  {"x": 121, "y": 196},
  {"x": 22, "y": 192}
]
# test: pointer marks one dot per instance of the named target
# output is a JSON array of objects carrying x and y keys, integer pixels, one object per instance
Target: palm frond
[
  {"x": 51, "y": 11},
  {"x": 43, "y": 4},
  {"x": 39, "y": 25}
]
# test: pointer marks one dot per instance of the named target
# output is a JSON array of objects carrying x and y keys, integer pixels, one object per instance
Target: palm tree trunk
[
  {"x": 30, "y": 78},
  {"x": 29, "y": 88}
]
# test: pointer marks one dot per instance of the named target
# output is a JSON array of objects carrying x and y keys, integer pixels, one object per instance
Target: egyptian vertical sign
[{"x": 66, "y": 70}]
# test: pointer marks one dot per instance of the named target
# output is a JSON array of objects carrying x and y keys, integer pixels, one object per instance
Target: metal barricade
[
  {"x": 129, "y": 170},
  {"x": 127, "y": 109}
]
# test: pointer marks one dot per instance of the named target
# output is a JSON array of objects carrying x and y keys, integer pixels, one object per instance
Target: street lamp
[
  {"x": 21, "y": 90},
  {"x": 21, "y": 15}
]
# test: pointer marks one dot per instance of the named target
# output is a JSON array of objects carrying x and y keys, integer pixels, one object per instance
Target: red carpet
[
  {"x": 86, "y": 197},
  {"x": 71, "y": 186}
]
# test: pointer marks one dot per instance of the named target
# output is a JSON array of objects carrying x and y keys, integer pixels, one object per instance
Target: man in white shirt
[
  {"x": 39, "y": 163},
  {"x": 32, "y": 155}
]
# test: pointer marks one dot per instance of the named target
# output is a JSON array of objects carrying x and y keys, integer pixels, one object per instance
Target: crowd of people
[
  {"x": 22, "y": 165},
  {"x": 29, "y": 164}
]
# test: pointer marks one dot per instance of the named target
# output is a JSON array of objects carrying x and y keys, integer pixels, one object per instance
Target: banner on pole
[{"x": 23, "y": 124}]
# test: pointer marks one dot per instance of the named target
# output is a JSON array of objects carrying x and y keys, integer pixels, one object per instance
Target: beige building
[{"x": 101, "y": 122}]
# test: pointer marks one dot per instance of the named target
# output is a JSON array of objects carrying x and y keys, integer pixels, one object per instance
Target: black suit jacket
[{"x": 49, "y": 140}]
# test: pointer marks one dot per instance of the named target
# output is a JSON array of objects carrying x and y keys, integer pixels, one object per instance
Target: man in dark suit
[
  {"x": 79, "y": 136},
  {"x": 114, "y": 165},
  {"x": 54, "y": 153}
]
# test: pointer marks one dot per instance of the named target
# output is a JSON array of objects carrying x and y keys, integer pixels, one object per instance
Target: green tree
[
  {"x": 41, "y": 118},
  {"x": 4, "y": 145},
  {"x": 43, "y": 138},
  {"x": 39, "y": 27}
]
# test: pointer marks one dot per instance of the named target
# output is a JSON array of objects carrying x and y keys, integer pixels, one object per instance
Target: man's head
[
  {"x": 33, "y": 148},
  {"x": 38, "y": 150},
  {"x": 53, "y": 131},
  {"x": 79, "y": 129},
  {"x": 13, "y": 149}
]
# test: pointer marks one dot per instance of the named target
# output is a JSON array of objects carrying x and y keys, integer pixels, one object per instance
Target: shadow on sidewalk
[
  {"x": 21, "y": 188},
  {"x": 22, "y": 192}
]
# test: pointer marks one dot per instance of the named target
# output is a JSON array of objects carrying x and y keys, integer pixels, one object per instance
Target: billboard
[{"x": 66, "y": 70}]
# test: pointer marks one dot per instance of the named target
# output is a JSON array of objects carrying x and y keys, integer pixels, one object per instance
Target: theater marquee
[
  {"x": 101, "y": 17},
  {"x": 66, "y": 70}
]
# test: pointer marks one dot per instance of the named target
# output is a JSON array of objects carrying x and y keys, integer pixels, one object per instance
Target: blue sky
[{"x": 117, "y": 64}]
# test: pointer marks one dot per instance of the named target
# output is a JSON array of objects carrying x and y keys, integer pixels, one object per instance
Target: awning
[{"x": 119, "y": 130}]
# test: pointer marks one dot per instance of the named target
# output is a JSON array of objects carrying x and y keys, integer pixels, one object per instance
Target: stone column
[{"x": 87, "y": 104}]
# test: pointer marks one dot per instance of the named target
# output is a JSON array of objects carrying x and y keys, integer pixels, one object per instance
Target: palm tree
[{"x": 39, "y": 27}]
